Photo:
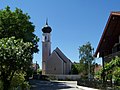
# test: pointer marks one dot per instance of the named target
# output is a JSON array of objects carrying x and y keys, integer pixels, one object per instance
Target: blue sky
[{"x": 73, "y": 22}]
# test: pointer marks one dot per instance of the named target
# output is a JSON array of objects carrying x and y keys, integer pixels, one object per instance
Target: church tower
[{"x": 46, "y": 46}]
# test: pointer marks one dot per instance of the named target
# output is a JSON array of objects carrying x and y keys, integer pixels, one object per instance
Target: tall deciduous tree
[
  {"x": 17, "y": 43},
  {"x": 86, "y": 57}
]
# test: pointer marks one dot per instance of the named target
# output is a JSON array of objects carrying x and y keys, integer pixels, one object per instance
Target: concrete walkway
[
  {"x": 79, "y": 87},
  {"x": 56, "y": 85}
]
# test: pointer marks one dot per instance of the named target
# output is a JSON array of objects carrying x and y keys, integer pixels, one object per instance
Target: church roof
[{"x": 61, "y": 55}]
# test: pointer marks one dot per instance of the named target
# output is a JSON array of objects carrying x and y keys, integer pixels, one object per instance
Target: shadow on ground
[{"x": 48, "y": 85}]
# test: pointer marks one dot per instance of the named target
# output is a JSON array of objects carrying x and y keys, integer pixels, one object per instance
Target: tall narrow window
[{"x": 45, "y": 38}]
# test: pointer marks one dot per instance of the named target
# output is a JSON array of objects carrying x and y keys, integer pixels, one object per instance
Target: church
[{"x": 55, "y": 63}]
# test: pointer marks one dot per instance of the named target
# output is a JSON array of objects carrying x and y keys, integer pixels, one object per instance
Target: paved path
[{"x": 56, "y": 85}]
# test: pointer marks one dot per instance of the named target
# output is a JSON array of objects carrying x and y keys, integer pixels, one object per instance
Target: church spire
[
  {"x": 46, "y": 21},
  {"x": 46, "y": 28},
  {"x": 46, "y": 46}
]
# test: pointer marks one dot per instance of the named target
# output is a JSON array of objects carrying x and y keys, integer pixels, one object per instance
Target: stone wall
[{"x": 64, "y": 77}]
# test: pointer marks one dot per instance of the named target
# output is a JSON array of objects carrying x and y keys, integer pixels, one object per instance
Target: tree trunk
[{"x": 6, "y": 82}]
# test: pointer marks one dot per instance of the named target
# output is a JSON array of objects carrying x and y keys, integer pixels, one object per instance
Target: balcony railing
[{"x": 111, "y": 56}]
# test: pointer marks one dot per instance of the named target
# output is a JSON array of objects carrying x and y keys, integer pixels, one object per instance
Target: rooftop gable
[
  {"x": 61, "y": 55},
  {"x": 110, "y": 35}
]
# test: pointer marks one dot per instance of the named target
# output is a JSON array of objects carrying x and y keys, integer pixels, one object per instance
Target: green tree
[
  {"x": 75, "y": 68},
  {"x": 15, "y": 55},
  {"x": 16, "y": 23},
  {"x": 112, "y": 70},
  {"x": 86, "y": 57},
  {"x": 83, "y": 68},
  {"x": 18, "y": 81},
  {"x": 17, "y": 43}
]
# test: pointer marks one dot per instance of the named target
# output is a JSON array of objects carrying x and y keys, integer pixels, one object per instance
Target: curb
[{"x": 85, "y": 88}]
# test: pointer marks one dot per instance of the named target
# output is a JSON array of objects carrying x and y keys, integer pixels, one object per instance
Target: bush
[
  {"x": 90, "y": 83},
  {"x": 39, "y": 71},
  {"x": 18, "y": 81}
]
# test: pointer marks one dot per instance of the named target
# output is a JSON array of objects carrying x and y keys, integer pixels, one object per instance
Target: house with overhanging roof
[{"x": 109, "y": 44}]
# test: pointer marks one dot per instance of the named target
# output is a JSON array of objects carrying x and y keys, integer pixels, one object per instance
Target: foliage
[
  {"x": 29, "y": 73},
  {"x": 85, "y": 52},
  {"x": 83, "y": 68},
  {"x": 98, "y": 75},
  {"x": 39, "y": 71},
  {"x": 1, "y": 85},
  {"x": 75, "y": 68},
  {"x": 116, "y": 73},
  {"x": 14, "y": 55},
  {"x": 86, "y": 58},
  {"x": 112, "y": 64},
  {"x": 16, "y": 23},
  {"x": 112, "y": 69},
  {"x": 18, "y": 80},
  {"x": 17, "y": 43},
  {"x": 91, "y": 83}
]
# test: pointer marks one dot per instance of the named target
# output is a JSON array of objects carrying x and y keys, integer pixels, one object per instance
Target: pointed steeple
[
  {"x": 47, "y": 21},
  {"x": 46, "y": 28}
]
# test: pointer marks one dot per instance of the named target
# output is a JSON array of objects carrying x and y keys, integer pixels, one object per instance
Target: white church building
[{"x": 55, "y": 63}]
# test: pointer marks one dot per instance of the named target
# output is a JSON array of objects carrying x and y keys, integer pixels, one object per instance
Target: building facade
[{"x": 56, "y": 62}]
